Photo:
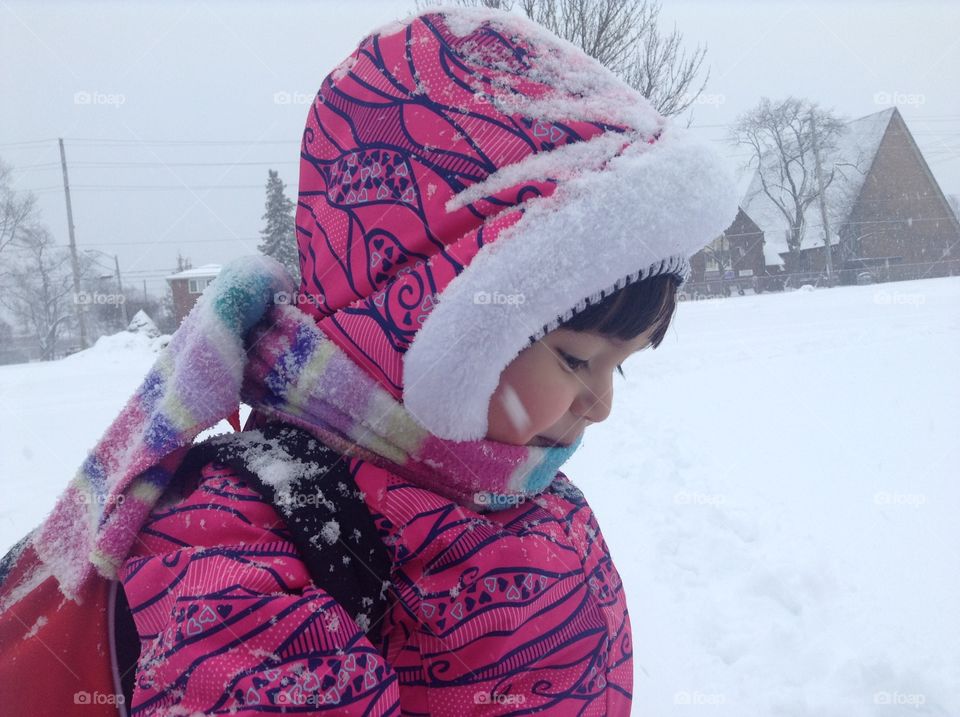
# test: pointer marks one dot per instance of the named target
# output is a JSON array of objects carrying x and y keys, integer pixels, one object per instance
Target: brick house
[
  {"x": 887, "y": 215},
  {"x": 186, "y": 287},
  {"x": 735, "y": 259}
]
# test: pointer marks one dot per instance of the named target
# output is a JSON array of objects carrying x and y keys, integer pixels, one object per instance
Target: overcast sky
[{"x": 122, "y": 83}]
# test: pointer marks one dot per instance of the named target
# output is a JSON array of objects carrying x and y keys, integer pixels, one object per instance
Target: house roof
[
  {"x": 853, "y": 156},
  {"x": 201, "y": 272}
]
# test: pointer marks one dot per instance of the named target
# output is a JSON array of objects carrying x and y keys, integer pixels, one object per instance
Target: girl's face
[{"x": 557, "y": 387}]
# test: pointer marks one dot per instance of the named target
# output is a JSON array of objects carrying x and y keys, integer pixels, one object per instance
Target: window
[{"x": 196, "y": 286}]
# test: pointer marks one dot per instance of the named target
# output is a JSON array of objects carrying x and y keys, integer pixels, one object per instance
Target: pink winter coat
[{"x": 510, "y": 612}]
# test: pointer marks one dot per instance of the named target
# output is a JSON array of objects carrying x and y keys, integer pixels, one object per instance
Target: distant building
[
  {"x": 186, "y": 287},
  {"x": 734, "y": 259},
  {"x": 887, "y": 215}
]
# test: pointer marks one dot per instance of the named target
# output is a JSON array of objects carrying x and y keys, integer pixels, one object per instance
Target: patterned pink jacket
[{"x": 511, "y": 612}]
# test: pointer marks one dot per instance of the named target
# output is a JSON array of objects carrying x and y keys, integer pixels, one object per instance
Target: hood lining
[{"x": 676, "y": 264}]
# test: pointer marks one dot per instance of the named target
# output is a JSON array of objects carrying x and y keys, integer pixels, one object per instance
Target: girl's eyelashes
[
  {"x": 573, "y": 362},
  {"x": 576, "y": 363}
]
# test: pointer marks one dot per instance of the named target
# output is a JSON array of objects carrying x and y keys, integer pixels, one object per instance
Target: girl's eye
[{"x": 573, "y": 362}]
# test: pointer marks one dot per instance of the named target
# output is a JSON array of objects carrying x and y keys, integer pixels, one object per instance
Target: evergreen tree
[{"x": 279, "y": 235}]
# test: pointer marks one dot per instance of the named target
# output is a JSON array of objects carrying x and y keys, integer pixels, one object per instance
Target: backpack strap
[
  {"x": 325, "y": 513},
  {"x": 349, "y": 561}
]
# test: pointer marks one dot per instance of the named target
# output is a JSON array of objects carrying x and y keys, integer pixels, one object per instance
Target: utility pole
[
  {"x": 823, "y": 201},
  {"x": 73, "y": 251},
  {"x": 122, "y": 298}
]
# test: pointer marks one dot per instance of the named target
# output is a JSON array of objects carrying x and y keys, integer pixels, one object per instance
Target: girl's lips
[{"x": 547, "y": 442}]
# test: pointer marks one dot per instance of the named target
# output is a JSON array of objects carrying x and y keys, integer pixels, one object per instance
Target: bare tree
[
  {"x": 664, "y": 74},
  {"x": 38, "y": 288},
  {"x": 166, "y": 314},
  {"x": 17, "y": 210},
  {"x": 780, "y": 137},
  {"x": 624, "y": 36}
]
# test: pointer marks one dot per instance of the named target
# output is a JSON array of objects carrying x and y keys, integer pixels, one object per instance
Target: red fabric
[
  {"x": 55, "y": 653},
  {"x": 234, "y": 419}
]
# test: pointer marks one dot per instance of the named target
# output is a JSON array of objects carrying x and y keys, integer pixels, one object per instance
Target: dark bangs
[{"x": 628, "y": 312}]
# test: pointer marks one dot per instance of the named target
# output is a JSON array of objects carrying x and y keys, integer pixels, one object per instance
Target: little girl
[{"x": 489, "y": 225}]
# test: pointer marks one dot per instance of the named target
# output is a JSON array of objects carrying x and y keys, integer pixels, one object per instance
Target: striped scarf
[{"x": 242, "y": 343}]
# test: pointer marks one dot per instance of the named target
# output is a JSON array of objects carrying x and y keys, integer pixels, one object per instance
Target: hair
[{"x": 628, "y": 312}]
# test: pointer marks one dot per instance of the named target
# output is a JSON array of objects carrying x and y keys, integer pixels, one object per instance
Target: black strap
[
  {"x": 126, "y": 644},
  {"x": 357, "y": 583},
  {"x": 329, "y": 522}
]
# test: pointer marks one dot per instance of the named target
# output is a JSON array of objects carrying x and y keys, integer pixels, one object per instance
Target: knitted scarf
[{"x": 241, "y": 342}]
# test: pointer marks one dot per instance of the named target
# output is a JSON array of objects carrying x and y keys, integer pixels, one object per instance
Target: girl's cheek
[{"x": 550, "y": 400}]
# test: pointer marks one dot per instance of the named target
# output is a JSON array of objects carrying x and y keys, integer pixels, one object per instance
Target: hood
[{"x": 468, "y": 181}]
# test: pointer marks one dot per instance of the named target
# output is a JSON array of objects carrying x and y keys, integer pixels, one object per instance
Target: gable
[{"x": 853, "y": 156}]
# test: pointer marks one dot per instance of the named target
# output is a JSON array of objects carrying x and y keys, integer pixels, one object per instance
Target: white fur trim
[{"x": 649, "y": 209}]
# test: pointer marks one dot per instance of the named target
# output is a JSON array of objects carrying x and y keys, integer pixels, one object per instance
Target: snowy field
[{"x": 777, "y": 484}]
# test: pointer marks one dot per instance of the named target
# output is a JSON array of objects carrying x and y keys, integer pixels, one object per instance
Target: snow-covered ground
[{"x": 777, "y": 484}]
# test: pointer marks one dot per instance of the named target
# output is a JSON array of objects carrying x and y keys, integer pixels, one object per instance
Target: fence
[{"x": 880, "y": 273}]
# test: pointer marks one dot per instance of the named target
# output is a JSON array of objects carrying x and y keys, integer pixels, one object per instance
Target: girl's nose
[{"x": 594, "y": 401}]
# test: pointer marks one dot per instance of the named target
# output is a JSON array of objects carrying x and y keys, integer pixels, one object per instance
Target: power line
[
  {"x": 145, "y": 187},
  {"x": 119, "y": 142},
  {"x": 126, "y": 165},
  {"x": 186, "y": 142},
  {"x": 816, "y": 225},
  {"x": 27, "y": 142},
  {"x": 125, "y": 141},
  {"x": 189, "y": 241}
]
